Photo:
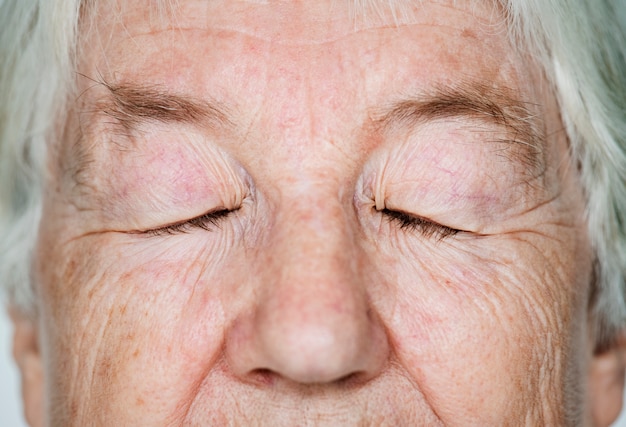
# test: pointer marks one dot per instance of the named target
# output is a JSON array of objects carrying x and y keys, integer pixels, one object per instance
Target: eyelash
[
  {"x": 406, "y": 222},
  {"x": 203, "y": 222},
  {"x": 422, "y": 225}
]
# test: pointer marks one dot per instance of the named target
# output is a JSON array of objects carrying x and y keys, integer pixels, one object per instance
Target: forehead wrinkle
[
  {"x": 476, "y": 102},
  {"x": 341, "y": 19}
]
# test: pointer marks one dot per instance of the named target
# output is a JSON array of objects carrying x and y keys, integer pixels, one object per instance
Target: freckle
[
  {"x": 468, "y": 33},
  {"x": 136, "y": 353},
  {"x": 140, "y": 401},
  {"x": 71, "y": 268},
  {"x": 74, "y": 409},
  {"x": 105, "y": 367}
]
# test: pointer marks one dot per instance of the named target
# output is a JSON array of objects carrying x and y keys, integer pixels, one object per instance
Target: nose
[{"x": 312, "y": 320}]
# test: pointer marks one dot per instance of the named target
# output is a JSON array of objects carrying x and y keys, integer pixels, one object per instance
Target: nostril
[
  {"x": 263, "y": 376},
  {"x": 267, "y": 377},
  {"x": 350, "y": 378},
  {"x": 354, "y": 379}
]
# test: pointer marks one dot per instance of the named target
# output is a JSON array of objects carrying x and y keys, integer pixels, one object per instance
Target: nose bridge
[
  {"x": 315, "y": 254},
  {"x": 318, "y": 226}
]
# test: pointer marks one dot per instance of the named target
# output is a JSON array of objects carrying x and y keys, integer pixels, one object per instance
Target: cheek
[
  {"x": 496, "y": 331},
  {"x": 140, "y": 326}
]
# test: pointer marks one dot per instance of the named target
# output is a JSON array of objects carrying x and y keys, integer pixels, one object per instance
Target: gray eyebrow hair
[
  {"x": 134, "y": 104},
  {"x": 478, "y": 102}
]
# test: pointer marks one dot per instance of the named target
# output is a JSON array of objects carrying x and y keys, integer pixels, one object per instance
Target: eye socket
[
  {"x": 207, "y": 222},
  {"x": 426, "y": 227}
]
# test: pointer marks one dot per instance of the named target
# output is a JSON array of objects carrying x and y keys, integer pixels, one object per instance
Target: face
[{"x": 297, "y": 213}]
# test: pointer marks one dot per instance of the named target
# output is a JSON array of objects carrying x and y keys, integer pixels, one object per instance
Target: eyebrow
[
  {"x": 479, "y": 103},
  {"x": 132, "y": 105}
]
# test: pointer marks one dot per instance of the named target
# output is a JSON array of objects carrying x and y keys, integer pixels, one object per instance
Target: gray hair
[{"x": 579, "y": 43}]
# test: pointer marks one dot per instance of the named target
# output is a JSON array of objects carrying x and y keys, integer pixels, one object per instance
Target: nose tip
[
  {"x": 326, "y": 346},
  {"x": 308, "y": 346}
]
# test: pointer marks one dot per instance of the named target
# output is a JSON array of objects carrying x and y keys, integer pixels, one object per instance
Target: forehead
[
  {"x": 299, "y": 21},
  {"x": 452, "y": 29},
  {"x": 194, "y": 44}
]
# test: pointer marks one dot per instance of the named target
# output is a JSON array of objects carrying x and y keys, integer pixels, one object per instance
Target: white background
[{"x": 10, "y": 406}]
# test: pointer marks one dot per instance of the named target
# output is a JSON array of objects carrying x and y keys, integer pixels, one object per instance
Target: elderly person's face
[{"x": 296, "y": 213}]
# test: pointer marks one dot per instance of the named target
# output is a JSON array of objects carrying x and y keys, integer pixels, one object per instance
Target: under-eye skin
[
  {"x": 426, "y": 227},
  {"x": 207, "y": 222}
]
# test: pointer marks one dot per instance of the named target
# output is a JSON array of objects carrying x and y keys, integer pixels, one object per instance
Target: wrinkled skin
[{"x": 308, "y": 300}]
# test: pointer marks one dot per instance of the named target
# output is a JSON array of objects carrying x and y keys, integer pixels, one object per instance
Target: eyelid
[
  {"x": 426, "y": 227},
  {"x": 205, "y": 222}
]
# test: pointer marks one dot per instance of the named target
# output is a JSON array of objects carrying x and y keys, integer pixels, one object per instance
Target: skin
[{"x": 310, "y": 303}]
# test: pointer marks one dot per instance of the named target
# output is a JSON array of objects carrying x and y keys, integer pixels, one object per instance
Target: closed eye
[
  {"x": 208, "y": 221},
  {"x": 426, "y": 227}
]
